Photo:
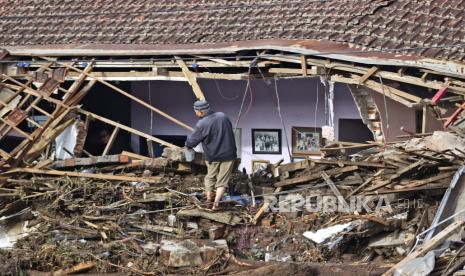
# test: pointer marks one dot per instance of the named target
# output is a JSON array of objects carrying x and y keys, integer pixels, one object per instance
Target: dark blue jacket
[{"x": 215, "y": 132}]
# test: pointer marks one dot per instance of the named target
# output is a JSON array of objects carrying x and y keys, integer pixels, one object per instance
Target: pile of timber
[
  {"x": 410, "y": 177},
  {"x": 135, "y": 214}
]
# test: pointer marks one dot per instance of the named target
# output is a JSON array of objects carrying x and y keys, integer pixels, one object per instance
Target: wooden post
[
  {"x": 150, "y": 149},
  {"x": 191, "y": 79},
  {"x": 303, "y": 62},
  {"x": 111, "y": 141},
  {"x": 424, "y": 119}
]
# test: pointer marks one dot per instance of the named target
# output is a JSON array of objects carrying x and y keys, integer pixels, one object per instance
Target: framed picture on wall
[
  {"x": 266, "y": 141},
  {"x": 306, "y": 140},
  {"x": 259, "y": 164}
]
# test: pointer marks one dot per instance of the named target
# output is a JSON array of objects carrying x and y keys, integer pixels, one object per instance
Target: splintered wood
[
  {"x": 374, "y": 171},
  {"x": 132, "y": 213}
]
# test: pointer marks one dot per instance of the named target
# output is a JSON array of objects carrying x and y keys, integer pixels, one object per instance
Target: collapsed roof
[{"x": 149, "y": 27}]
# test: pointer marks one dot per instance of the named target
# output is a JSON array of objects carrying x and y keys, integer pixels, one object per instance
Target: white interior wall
[{"x": 298, "y": 98}]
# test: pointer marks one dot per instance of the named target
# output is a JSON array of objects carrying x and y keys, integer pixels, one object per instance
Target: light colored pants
[{"x": 218, "y": 174}]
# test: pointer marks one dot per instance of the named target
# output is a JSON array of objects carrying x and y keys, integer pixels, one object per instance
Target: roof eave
[{"x": 319, "y": 48}]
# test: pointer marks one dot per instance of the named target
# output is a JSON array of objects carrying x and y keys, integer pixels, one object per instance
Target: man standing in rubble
[{"x": 214, "y": 130}]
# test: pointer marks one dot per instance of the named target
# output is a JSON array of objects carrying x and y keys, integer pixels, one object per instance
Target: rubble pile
[{"x": 133, "y": 214}]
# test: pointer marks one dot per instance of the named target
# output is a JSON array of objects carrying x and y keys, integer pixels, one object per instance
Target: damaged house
[{"x": 328, "y": 99}]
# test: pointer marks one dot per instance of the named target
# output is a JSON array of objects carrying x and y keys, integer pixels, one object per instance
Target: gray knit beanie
[{"x": 202, "y": 105}]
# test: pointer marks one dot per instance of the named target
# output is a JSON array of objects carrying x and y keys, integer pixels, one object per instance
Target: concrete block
[{"x": 387, "y": 240}]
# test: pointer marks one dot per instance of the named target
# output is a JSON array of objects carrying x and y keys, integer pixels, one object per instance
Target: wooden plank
[
  {"x": 164, "y": 230},
  {"x": 294, "y": 166},
  {"x": 368, "y": 74},
  {"x": 81, "y": 94},
  {"x": 364, "y": 184},
  {"x": 428, "y": 246},
  {"x": 422, "y": 182},
  {"x": 190, "y": 78},
  {"x": 41, "y": 110},
  {"x": 294, "y": 71},
  {"x": 424, "y": 122},
  {"x": 4, "y": 154},
  {"x": 334, "y": 189},
  {"x": 401, "y": 172},
  {"x": 150, "y": 149},
  {"x": 32, "y": 92},
  {"x": 347, "y": 67},
  {"x": 80, "y": 80},
  {"x": 108, "y": 146},
  {"x": 81, "y": 267},
  {"x": 84, "y": 175},
  {"x": 135, "y": 99},
  {"x": 376, "y": 88},
  {"x": 91, "y": 161},
  {"x": 12, "y": 125},
  {"x": 349, "y": 163},
  {"x": 308, "y": 178},
  {"x": 264, "y": 207},
  {"x": 391, "y": 90},
  {"x": 126, "y": 128},
  {"x": 303, "y": 62},
  {"x": 135, "y": 155},
  {"x": 225, "y": 217},
  {"x": 349, "y": 147},
  {"x": 42, "y": 140},
  {"x": 409, "y": 190}
]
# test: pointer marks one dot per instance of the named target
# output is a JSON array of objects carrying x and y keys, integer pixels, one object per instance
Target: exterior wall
[
  {"x": 298, "y": 99},
  {"x": 400, "y": 115}
]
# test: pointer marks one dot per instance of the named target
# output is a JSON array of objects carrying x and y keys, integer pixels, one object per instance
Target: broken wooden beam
[
  {"x": 84, "y": 175},
  {"x": 264, "y": 208},
  {"x": 91, "y": 161},
  {"x": 401, "y": 172},
  {"x": 334, "y": 189},
  {"x": 307, "y": 178},
  {"x": 427, "y": 246},
  {"x": 126, "y": 128},
  {"x": 303, "y": 62},
  {"x": 342, "y": 163},
  {"x": 190, "y": 79},
  {"x": 368, "y": 74},
  {"x": 124, "y": 93},
  {"x": 225, "y": 217},
  {"x": 110, "y": 142}
]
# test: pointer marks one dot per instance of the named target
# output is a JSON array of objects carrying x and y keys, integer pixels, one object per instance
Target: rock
[
  {"x": 182, "y": 253},
  {"x": 150, "y": 247},
  {"x": 393, "y": 239}
]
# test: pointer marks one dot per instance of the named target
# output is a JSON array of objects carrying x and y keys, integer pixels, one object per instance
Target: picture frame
[
  {"x": 306, "y": 141},
  {"x": 266, "y": 141},
  {"x": 257, "y": 164}
]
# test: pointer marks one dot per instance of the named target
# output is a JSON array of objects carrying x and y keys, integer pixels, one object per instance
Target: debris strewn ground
[{"x": 75, "y": 216}]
